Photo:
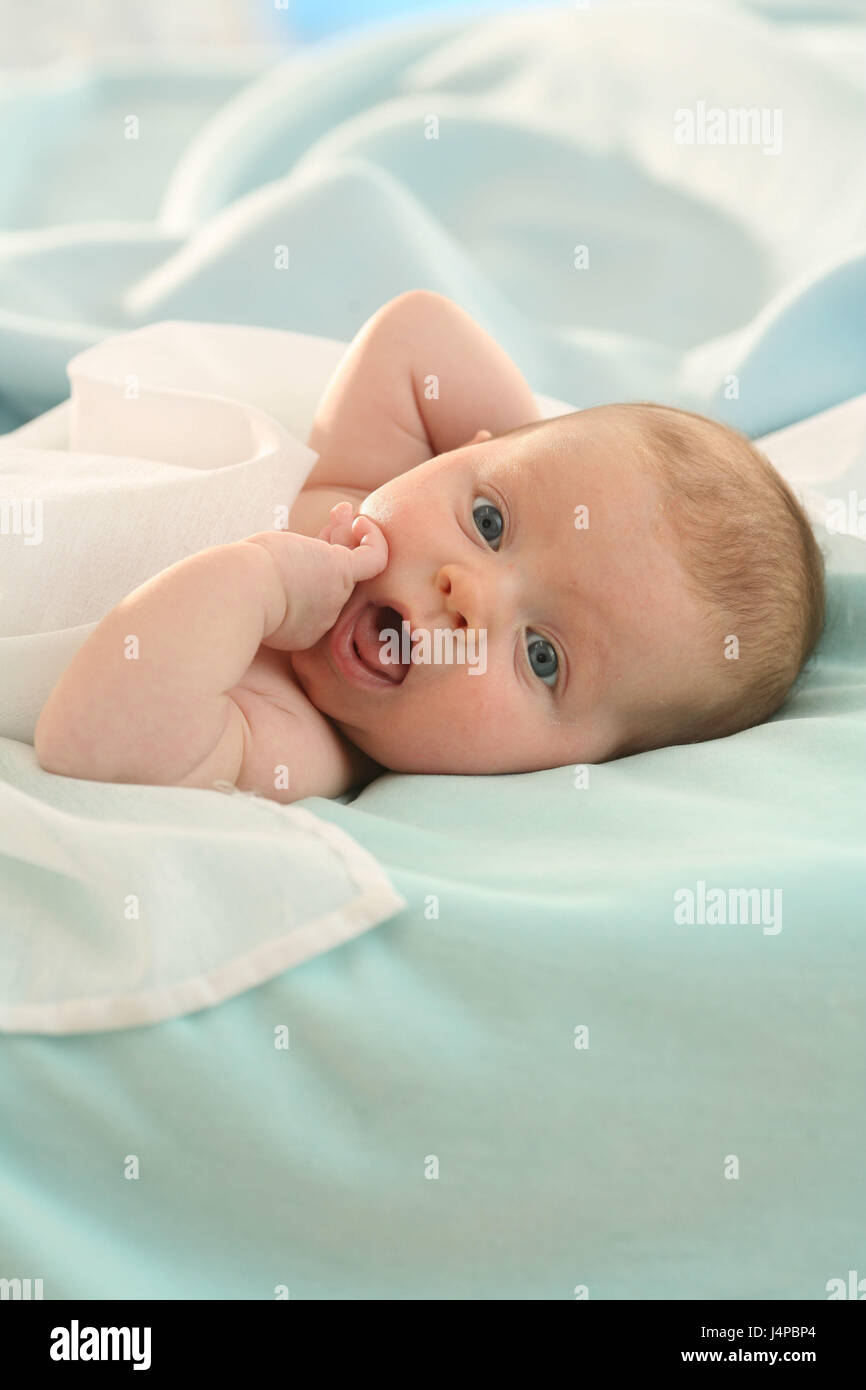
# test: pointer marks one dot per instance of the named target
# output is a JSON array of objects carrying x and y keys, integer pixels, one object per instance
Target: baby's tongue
[{"x": 375, "y": 653}]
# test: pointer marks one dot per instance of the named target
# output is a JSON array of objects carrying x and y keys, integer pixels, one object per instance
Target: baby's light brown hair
[{"x": 749, "y": 554}]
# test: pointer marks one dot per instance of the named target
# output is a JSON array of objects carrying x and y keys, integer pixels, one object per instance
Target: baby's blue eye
[
  {"x": 488, "y": 519},
  {"x": 542, "y": 658}
]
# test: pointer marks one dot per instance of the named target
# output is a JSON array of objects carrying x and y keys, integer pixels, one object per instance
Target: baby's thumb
[{"x": 370, "y": 555}]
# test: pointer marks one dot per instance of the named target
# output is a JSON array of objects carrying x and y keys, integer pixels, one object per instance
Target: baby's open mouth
[{"x": 378, "y": 641}]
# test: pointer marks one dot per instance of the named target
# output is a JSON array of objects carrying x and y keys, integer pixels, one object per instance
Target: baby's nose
[
  {"x": 446, "y": 586},
  {"x": 467, "y": 598}
]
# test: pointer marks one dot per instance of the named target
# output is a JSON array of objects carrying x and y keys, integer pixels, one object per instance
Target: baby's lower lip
[{"x": 346, "y": 660}]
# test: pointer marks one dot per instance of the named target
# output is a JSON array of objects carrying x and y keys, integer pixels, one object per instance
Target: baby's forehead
[
  {"x": 583, "y": 479},
  {"x": 566, "y": 451}
]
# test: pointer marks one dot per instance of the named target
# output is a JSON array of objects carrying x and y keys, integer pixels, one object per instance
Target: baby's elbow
[
  {"x": 57, "y": 749},
  {"x": 418, "y": 302},
  {"x": 45, "y": 743},
  {"x": 69, "y": 743}
]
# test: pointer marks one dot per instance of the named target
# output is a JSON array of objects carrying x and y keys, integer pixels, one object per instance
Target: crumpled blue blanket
[
  {"x": 559, "y": 1073},
  {"x": 530, "y": 166}
]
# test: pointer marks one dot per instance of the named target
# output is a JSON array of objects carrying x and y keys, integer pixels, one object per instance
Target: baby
[{"x": 632, "y": 575}]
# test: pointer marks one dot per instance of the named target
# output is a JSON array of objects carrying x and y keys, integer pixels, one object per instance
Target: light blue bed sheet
[{"x": 432, "y": 1129}]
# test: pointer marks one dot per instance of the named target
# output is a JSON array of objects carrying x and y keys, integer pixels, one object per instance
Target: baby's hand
[
  {"x": 338, "y": 529},
  {"x": 361, "y": 536},
  {"x": 318, "y": 576}
]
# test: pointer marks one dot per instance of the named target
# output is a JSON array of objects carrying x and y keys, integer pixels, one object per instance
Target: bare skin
[
  {"x": 210, "y": 698},
  {"x": 237, "y": 678},
  {"x": 604, "y": 607}
]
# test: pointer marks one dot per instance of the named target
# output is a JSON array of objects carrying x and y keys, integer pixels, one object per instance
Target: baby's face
[{"x": 587, "y": 626}]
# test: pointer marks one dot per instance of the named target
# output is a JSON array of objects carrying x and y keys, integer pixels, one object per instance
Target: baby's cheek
[
  {"x": 479, "y": 704},
  {"x": 379, "y": 506}
]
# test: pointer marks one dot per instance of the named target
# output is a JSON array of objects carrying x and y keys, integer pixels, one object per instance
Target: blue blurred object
[
  {"x": 309, "y": 20},
  {"x": 313, "y": 19}
]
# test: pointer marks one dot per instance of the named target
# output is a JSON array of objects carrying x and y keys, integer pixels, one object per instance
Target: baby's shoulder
[{"x": 291, "y": 750}]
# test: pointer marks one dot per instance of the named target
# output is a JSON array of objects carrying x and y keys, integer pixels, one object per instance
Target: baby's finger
[
  {"x": 341, "y": 524},
  {"x": 370, "y": 555}
]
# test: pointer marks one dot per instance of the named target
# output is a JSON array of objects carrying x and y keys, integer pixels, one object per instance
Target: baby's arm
[
  {"x": 420, "y": 378},
  {"x": 149, "y": 695}
]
